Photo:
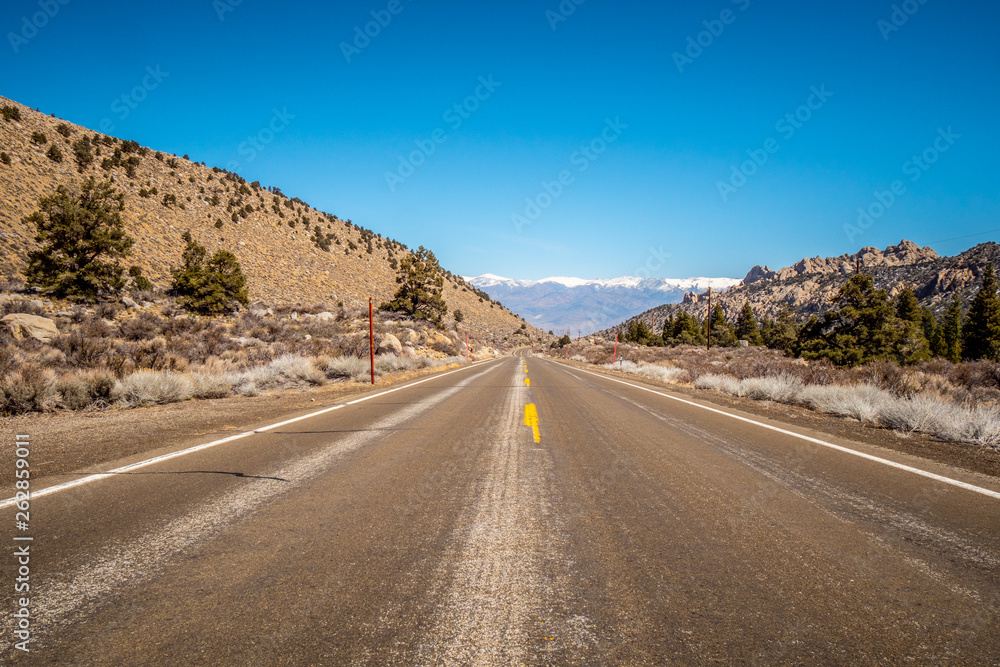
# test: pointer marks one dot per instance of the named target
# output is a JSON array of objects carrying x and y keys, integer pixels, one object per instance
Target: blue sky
[{"x": 656, "y": 152}]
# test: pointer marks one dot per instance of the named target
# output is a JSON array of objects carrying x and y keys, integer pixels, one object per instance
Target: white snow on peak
[{"x": 660, "y": 284}]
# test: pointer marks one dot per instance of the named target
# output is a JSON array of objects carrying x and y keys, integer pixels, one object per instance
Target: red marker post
[{"x": 371, "y": 335}]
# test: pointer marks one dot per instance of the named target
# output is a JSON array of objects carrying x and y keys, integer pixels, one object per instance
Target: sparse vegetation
[
  {"x": 10, "y": 113},
  {"x": 54, "y": 153}
]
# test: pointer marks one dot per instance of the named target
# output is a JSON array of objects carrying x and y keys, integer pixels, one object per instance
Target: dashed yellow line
[
  {"x": 531, "y": 419},
  {"x": 527, "y": 382}
]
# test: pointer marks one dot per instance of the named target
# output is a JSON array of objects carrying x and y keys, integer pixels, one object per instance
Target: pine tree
[
  {"x": 783, "y": 334},
  {"x": 950, "y": 332},
  {"x": 746, "y": 326},
  {"x": 687, "y": 330},
  {"x": 865, "y": 327},
  {"x": 420, "y": 284},
  {"x": 722, "y": 333},
  {"x": 211, "y": 287},
  {"x": 907, "y": 306},
  {"x": 82, "y": 239},
  {"x": 981, "y": 333}
]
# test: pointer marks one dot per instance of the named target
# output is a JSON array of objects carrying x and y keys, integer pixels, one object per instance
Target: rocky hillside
[
  {"x": 808, "y": 286},
  {"x": 278, "y": 240}
]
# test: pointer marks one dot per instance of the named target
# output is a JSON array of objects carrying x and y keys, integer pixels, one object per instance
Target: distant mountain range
[
  {"x": 585, "y": 306},
  {"x": 808, "y": 286}
]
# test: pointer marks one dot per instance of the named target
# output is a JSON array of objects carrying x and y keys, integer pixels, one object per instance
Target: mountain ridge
[
  {"x": 808, "y": 286},
  {"x": 273, "y": 236}
]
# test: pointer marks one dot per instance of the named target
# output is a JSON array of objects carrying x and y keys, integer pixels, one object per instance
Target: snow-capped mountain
[{"x": 585, "y": 306}]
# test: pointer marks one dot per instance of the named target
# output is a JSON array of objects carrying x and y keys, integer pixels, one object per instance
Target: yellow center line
[
  {"x": 531, "y": 419},
  {"x": 527, "y": 382}
]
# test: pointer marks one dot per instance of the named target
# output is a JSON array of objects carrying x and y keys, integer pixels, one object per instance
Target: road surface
[{"x": 426, "y": 526}]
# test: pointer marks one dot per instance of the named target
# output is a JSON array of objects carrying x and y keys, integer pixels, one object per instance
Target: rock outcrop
[{"x": 22, "y": 325}]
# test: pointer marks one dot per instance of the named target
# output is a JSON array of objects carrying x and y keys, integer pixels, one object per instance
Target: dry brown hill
[{"x": 272, "y": 236}]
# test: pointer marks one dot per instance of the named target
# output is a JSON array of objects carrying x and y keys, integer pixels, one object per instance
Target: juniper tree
[
  {"x": 981, "y": 332},
  {"x": 209, "y": 287},
  {"x": 82, "y": 240},
  {"x": 420, "y": 283}
]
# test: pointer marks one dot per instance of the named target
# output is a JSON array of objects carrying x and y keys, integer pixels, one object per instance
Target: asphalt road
[{"x": 426, "y": 526}]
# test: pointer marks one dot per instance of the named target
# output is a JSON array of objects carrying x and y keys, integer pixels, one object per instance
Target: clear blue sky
[{"x": 656, "y": 185}]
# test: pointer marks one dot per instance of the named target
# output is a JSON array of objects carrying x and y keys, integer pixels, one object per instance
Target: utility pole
[
  {"x": 371, "y": 335},
  {"x": 709, "y": 319}
]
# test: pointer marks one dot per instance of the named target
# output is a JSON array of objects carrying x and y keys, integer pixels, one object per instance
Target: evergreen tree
[
  {"x": 907, "y": 306},
  {"x": 864, "y": 328},
  {"x": 981, "y": 332},
  {"x": 687, "y": 330},
  {"x": 82, "y": 239},
  {"x": 211, "y": 287},
  {"x": 420, "y": 284},
  {"x": 783, "y": 333},
  {"x": 722, "y": 333},
  {"x": 928, "y": 324},
  {"x": 950, "y": 332},
  {"x": 746, "y": 326}
]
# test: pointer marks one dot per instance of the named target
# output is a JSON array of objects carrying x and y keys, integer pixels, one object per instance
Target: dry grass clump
[
  {"x": 955, "y": 402},
  {"x": 153, "y": 388}
]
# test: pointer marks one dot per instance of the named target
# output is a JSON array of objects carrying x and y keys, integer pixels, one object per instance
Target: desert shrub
[
  {"x": 153, "y": 388},
  {"x": 10, "y": 112},
  {"x": 348, "y": 368},
  {"x": 108, "y": 310},
  {"x": 82, "y": 350},
  {"x": 661, "y": 373},
  {"x": 390, "y": 363},
  {"x": 29, "y": 389},
  {"x": 286, "y": 371},
  {"x": 73, "y": 393},
  {"x": 143, "y": 326},
  {"x": 39, "y": 138},
  {"x": 4, "y": 157},
  {"x": 920, "y": 413},
  {"x": 64, "y": 130},
  {"x": 862, "y": 402},
  {"x": 54, "y": 153},
  {"x": 210, "y": 385}
]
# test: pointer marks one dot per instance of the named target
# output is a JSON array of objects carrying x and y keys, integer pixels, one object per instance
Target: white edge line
[
  {"x": 197, "y": 448},
  {"x": 847, "y": 450}
]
